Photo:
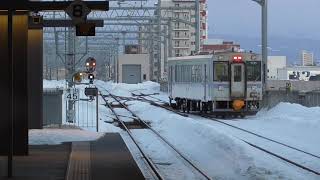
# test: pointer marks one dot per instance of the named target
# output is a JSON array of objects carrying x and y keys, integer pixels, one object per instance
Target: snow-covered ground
[
  {"x": 216, "y": 148},
  {"x": 58, "y": 136}
]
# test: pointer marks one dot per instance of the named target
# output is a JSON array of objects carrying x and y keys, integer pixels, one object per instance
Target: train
[
  {"x": 222, "y": 83},
  {"x": 91, "y": 64}
]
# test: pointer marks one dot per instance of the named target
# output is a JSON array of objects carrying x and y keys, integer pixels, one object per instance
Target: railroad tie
[{"x": 79, "y": 162}]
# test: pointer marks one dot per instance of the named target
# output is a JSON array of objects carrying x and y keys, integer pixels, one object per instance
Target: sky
[{"x": 289, "y": 18}]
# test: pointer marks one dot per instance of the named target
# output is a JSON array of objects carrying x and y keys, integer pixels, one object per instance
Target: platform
[{"x": 106, "y": 158}]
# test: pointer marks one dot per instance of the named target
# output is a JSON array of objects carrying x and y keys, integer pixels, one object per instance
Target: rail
[{"x": 145, "y": 124}]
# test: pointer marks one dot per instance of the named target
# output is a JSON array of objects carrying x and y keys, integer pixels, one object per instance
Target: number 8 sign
[{"x": 78, "y": 11}]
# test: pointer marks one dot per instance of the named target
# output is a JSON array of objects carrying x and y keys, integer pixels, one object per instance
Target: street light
[{"x": 264, "y": 33}]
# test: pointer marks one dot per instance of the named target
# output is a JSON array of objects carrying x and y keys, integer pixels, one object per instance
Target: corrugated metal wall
[{"x": 52, "y": 107}]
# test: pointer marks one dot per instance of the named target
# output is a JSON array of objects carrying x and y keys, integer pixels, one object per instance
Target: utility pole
[
  {"x": 159, "y": 43},
  {"x": 197, "y": 25},
  {"x": 170, "y": 38},
  {"x": 165, "y": 51},
  {"x": 70, "y": 65},
  {"x": 264, "y": 36}
]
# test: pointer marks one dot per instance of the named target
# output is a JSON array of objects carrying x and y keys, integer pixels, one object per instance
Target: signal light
[
  {"x": 91, "y": 78},
  {"x": 77, "y": 77}
]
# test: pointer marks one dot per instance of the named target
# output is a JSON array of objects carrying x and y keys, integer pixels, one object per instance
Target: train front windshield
[{"x": 253, "y": 71}]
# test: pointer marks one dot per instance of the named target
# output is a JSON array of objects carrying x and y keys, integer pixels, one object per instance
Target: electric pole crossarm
[{"x": 50, "y": 5}]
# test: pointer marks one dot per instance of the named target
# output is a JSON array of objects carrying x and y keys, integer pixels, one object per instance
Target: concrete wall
[
  {"x": 310, "y": 99},
  {"x": 139, "y": 59}
]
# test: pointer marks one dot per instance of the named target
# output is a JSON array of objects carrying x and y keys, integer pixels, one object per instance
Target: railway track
[
  {"x": 273, "y": 141},
  {"x": 246, "y": 131},
  {"x": 155, "y": 169}
]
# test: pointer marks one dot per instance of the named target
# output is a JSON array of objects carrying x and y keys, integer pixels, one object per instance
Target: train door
[{"x": 237, "y": 80}]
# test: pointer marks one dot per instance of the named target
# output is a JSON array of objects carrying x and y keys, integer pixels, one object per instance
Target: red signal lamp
[{"x": 237, "y": 59}]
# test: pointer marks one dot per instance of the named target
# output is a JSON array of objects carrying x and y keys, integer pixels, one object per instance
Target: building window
[
  {"x": 177, "y": 34},
  {"x": 177, "y": 25}
]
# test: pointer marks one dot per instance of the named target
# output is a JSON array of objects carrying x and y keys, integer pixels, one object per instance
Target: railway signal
[{"x": 91, "y": 78}]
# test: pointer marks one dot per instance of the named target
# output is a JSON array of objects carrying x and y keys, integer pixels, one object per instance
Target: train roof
[
  {"x": 191, "y": 57},
  {"x": 210, "y": 56}
]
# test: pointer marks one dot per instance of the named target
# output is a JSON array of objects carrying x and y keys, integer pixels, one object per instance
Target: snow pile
[
  {"x": 292, "y": 124},
  {"x": 58, "y": 136},
  {"x": 294, "y": 113},
  {"x": 54, "y": 84},
  {"x": 125, "y": 90}
]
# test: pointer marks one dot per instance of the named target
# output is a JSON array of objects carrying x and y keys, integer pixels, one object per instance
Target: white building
[
  {"x": 275, "y": 63},
  {"x": 306, "y": 58},
  {"x": 133, "y": 68},
  {"x": 302, "y": 73}
]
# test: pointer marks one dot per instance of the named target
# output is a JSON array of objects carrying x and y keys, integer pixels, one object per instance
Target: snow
[
  {"x": 58, "y": 136},
  {"x": 215, "y": 148},
  {"x": 220, "y": 154},
  {"x": 54, "y": 84}
]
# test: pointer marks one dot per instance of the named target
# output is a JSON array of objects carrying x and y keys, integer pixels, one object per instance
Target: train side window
[
  {"x": 196, "y": 73},
  {"x": 237, "y": 73},
  {"x": 221, "y": 71},
  {"x": 253, "y": 71}
]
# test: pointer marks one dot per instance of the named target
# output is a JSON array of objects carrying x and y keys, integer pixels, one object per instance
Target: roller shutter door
[{"x": 131, "y": 73}]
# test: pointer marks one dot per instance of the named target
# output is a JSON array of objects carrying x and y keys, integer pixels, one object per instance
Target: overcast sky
[{"x": 292, "y": 18}]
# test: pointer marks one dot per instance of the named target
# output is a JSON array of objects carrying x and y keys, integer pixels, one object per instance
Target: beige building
[
  {"x": 133, "y": 68},
  {"x": 182, "y": 41},
  {"x": 183, "y": 35},
  {"x": 306, "y": 58}
]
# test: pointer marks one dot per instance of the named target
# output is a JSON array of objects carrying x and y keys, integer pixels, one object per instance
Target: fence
[
  {"x": 308, "y": 99},
  {"x": 55, "y": 110}
]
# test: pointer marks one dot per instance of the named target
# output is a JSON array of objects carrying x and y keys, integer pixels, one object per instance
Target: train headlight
[
  {"x": 254, "y": 87},
  {"x": 220, "y": 88}
]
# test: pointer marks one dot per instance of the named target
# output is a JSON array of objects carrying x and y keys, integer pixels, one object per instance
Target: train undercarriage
[{"x": 223, "y": 109}]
